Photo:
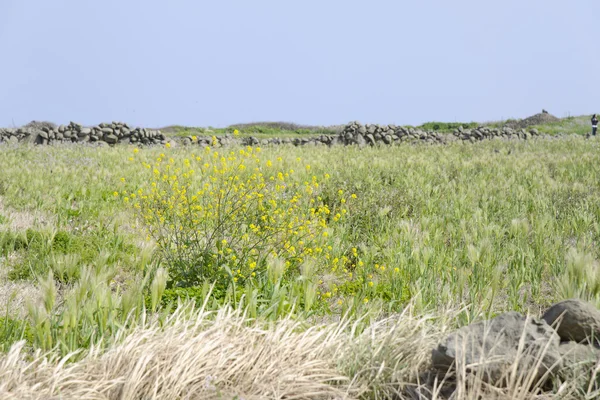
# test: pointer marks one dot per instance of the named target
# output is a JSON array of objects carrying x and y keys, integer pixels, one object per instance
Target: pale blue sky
[{"x": 191, "y": 62}]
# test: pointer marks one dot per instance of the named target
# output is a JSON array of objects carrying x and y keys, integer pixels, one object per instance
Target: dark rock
[
  {"x": 579, "y": 363},
  {"x": 491, "y": 348},
  {"x": 111, "y": 139},
  {"x": 575, "y": 320}
]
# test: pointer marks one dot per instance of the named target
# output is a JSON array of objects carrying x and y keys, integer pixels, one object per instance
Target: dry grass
[
  {"x": 23, "y": 220},
  {"x": 15, "y": 294},
  {"x": 205, "y": 355},
  {"x": 223, "y": 355}
]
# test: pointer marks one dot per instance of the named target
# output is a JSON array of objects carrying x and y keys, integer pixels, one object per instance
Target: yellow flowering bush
[{"x": 221, "y": 216}]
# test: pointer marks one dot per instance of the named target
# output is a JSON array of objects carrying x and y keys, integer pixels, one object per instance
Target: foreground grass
[
  {"x": 494, "y": 226},
  {"x": 223, "y": 355}
]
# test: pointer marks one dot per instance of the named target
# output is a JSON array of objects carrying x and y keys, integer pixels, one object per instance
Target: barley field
[{"x": 281, "y": 272}]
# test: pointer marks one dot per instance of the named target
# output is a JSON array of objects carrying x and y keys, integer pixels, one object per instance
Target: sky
[{"x": 156, "y": 63}]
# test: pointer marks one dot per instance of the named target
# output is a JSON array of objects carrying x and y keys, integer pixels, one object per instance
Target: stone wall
[
  {"x": 113, "y": 133},
  {"x": 354, "y": 133}
]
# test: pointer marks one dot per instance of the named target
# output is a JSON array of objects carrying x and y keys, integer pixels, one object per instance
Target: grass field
[{"x": 279, "y": 272}]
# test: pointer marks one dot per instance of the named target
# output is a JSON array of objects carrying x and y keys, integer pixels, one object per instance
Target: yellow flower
[
  {"x": 371, "y": 284},
  {"x": 340, "y": 302},
  {"x": 194, "y": 138},
  {"x": 136, "y": 150},
  {"x": 396, "y": 270},
  {"x": 236, "y": 132},
  {"x": 116, "y": 194},
  {"x": 353, "y": 196},
  {"x": 168, "y": 145},
  {"x": 366, "y": 300}
]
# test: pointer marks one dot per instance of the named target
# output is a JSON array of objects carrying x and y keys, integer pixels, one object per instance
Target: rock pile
[
  {"x": 362, "y": 135},
  {"x": 107, "y": 133},
  {"x": 538, "y": 119},
  {"x": 560, "y": 346}
]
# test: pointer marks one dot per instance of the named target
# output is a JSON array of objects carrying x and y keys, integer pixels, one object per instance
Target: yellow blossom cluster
[{"x": 219, "y": 215}]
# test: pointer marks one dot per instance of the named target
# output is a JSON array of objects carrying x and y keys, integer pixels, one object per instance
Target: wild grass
[
  {"x": 494, "y": 226},
  {"x": 580, "y": 125},
  {"x": 257, "y": 129},
  {"x": 195, "y": 353}
]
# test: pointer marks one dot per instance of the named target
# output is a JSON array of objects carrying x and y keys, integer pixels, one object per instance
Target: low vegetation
[
  {"x": 579, "y": 125},
  {"x": 187, "y": 272}
]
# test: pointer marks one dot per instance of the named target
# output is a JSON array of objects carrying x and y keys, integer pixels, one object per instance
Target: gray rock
[
  {"x": 85, "y": 131},
  {"x": 575, "y": 320},
  {"x": 43, "y": 135},
  {"x": 574, "y": 353},
  {"x": 110, "y": 138},
  {"x": 491, "y": 348},
  {"x": 360, "y": 141},
  {"x": 579, "y": 362},
  {"x": 107, "y": 131},
  {"x": 370, "y": 139}
]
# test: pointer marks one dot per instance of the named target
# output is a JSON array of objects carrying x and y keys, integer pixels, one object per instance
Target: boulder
[
  {"x": 491, "y": 348},
  {"x": 111, "y": 139},
  {"x": 578, "y": 365},
  {"x": 360, "y": 141},
  {"x": 575, "y": 320}
]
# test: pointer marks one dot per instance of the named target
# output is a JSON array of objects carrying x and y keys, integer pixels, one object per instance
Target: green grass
[
  {"x": 579, "y": 125},
  {"x": 493, "y": 226},
  {"x": 447, "y": 127},
  {"x": 257, "y": 130}
]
